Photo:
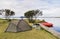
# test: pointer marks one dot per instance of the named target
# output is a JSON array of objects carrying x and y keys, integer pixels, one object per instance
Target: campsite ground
[{"x": 32, "y": 34}]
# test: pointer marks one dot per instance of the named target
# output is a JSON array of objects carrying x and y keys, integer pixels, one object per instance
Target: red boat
[{"x": 47, "y": 24}]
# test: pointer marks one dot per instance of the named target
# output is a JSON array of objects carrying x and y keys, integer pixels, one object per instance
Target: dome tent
[{"x": 18, "y": 26}]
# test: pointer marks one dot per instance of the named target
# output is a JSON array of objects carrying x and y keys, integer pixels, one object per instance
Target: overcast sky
[{"x": 49, "y": 7}]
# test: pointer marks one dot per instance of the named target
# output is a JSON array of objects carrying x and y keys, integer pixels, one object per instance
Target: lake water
[{"x": 54, "y": 21}]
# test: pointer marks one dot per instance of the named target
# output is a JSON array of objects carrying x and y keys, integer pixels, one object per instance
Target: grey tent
[{"x": 18, "y": 25}]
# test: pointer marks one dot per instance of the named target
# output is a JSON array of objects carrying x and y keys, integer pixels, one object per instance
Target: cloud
[
  {"x": 49, "y": 7},
  {"x": 52, "y": 12}
]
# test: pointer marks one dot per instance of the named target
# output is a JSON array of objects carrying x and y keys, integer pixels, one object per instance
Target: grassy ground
[{"x": 32, "y": 34}]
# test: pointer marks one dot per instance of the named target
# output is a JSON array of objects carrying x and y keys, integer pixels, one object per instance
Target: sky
[{"x": 50, "y": 8}]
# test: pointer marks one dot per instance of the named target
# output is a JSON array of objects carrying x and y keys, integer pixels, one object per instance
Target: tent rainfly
[{"x": 18, "y": 26}]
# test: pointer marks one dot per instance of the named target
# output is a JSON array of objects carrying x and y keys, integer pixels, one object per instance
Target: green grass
[{"x": 32, "y": 34}]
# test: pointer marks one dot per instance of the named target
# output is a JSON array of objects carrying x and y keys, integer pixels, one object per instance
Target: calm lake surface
[{"x": 55, "y": 22}]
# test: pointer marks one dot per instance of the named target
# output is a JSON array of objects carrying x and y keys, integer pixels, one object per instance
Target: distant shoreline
[{"x": 37, "y": 17}]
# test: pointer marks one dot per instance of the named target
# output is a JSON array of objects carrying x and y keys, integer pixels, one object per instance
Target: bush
[
  {"x": 9, "y": 20},
  {"x": 31, "y": 21},
  {"x": 42, "y": 21}
]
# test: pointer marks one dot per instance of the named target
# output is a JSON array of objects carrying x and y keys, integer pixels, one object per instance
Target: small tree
[
  {"x": 9, "y": 13},
  {"x": 32, "y": 13},
  {"x": 37, "y": 13},
  {"x": 1, "y": 11},
  {"x": 29, "y": 15}
]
